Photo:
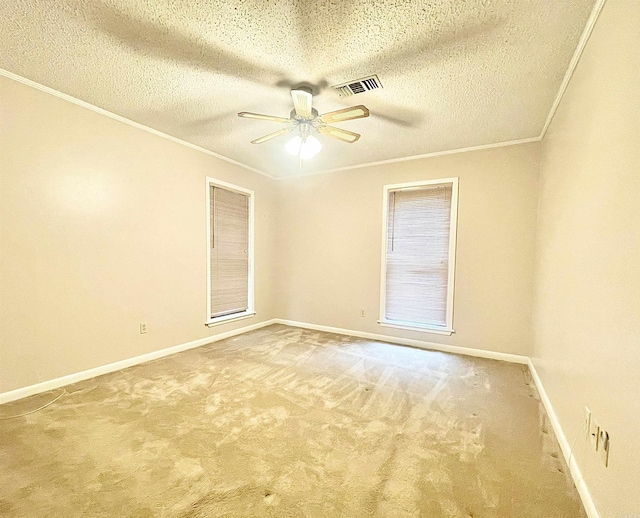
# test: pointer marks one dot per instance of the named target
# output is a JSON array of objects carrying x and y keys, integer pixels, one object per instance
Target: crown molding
[
  {"x": 591, "y": 22},
  {"x": 418, "y": 157},
  {"x": 595, "y": 13},
  {"x": 115, "y": 116},
  {"x": 584, "y": 38}
]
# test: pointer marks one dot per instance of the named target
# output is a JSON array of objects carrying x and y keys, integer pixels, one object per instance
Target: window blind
[
  {"x": 417, "y": 253},
  {"x": 229, "y": 242}
]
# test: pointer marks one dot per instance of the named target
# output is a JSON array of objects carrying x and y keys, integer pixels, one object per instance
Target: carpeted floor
[{"x": 287, "y": 422}]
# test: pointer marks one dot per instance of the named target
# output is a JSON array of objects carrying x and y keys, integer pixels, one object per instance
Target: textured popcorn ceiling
[{"x": 455, "y": 73}]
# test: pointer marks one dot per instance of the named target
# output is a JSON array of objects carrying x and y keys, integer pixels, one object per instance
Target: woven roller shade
[
  {"x": 229, "y": 252},
  {"x": 418, "y": 228}
]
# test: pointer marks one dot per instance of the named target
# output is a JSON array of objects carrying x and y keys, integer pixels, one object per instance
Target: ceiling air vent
[{"x": 358, "y": 86}]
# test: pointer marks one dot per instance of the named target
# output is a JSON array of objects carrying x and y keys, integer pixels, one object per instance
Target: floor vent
[{"x": 357, "y": 87}]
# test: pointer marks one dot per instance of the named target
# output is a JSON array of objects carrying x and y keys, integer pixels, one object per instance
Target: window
[
  {"x": 419, "y": 255},
  {"x": 229, "y": 252}
]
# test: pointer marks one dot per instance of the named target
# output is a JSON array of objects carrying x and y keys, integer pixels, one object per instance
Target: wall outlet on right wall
[
  {"x": 594, "y": 432},
  {"x": 603, "y": 446},
  {"x": 598, "y": 437}
]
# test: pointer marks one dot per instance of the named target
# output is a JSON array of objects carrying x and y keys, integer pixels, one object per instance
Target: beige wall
[
  {"x": 102, "y": 226},
  {"x": 330, "y": 234},
  {"x": 587, "y": 309}
]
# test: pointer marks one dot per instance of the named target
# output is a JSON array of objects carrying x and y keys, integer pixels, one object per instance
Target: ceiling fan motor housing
[{"x": 295, "y": 117}]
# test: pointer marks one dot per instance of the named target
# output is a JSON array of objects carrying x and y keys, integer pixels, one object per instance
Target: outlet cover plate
[
  {"x": 603, "y": 445},
  {"x": 594, "y": 432}
]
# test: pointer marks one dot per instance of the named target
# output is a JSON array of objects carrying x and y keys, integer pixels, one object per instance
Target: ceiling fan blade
[
  {"x": 424, "y": 48},
  {"x": 340, "y": 134},
  {"x": 271, "y": 135},
  {"x": 260, "y": 116},
  {"x": 174, "y": 43},
  {"x": 346, "y": 114},
  {"x": 302, "y": 99}
]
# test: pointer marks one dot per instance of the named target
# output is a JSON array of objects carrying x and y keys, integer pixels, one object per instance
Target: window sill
[
  {"x": 229, "y": 318},
  {"x": 417, "y": 327}
]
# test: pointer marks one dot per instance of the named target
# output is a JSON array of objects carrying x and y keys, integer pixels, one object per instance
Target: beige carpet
[{"x": 287, "y": 422}]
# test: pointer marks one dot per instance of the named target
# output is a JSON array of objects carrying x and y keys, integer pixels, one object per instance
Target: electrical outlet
[
  {"x": 362, "y": 312},
  {"x": 598, "y": 437},
  {"x": 594, "y": 432},
  {"x": 143, "y": 328},
  {"x": 603, "y": 445}
]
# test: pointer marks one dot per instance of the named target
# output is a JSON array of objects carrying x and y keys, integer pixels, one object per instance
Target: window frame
[
  {"x": 250, "y": 311},
  {"x": 453, "y": 228}
]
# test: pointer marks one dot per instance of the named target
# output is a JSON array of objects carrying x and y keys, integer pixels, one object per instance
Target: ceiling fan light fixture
[
  {"x": 293, "y": 146},
  {"x": 310, "y": 147},
  {"x": 305, "y": 148},
  {"x": 304, "y": 120}
]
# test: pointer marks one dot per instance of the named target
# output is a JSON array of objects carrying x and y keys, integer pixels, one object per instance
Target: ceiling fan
[{"x": 304, "y": 120}]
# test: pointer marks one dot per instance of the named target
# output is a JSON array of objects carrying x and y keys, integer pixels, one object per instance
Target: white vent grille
[{"x": 358, "y": 86}]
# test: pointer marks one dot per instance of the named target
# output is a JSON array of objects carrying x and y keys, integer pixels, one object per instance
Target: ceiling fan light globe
[
  {"x": 293, "y": 146},
  {"x": 310, "y": 148}
]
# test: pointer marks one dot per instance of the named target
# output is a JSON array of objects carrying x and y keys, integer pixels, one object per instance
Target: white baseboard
[
  {"x": 513, "y": 358},
  {"x": 420, "y": 344},
  {"x": 574, "y": 469},
  {"x": 20, "y": 393},
  {"x": 44, "y": 386}
]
